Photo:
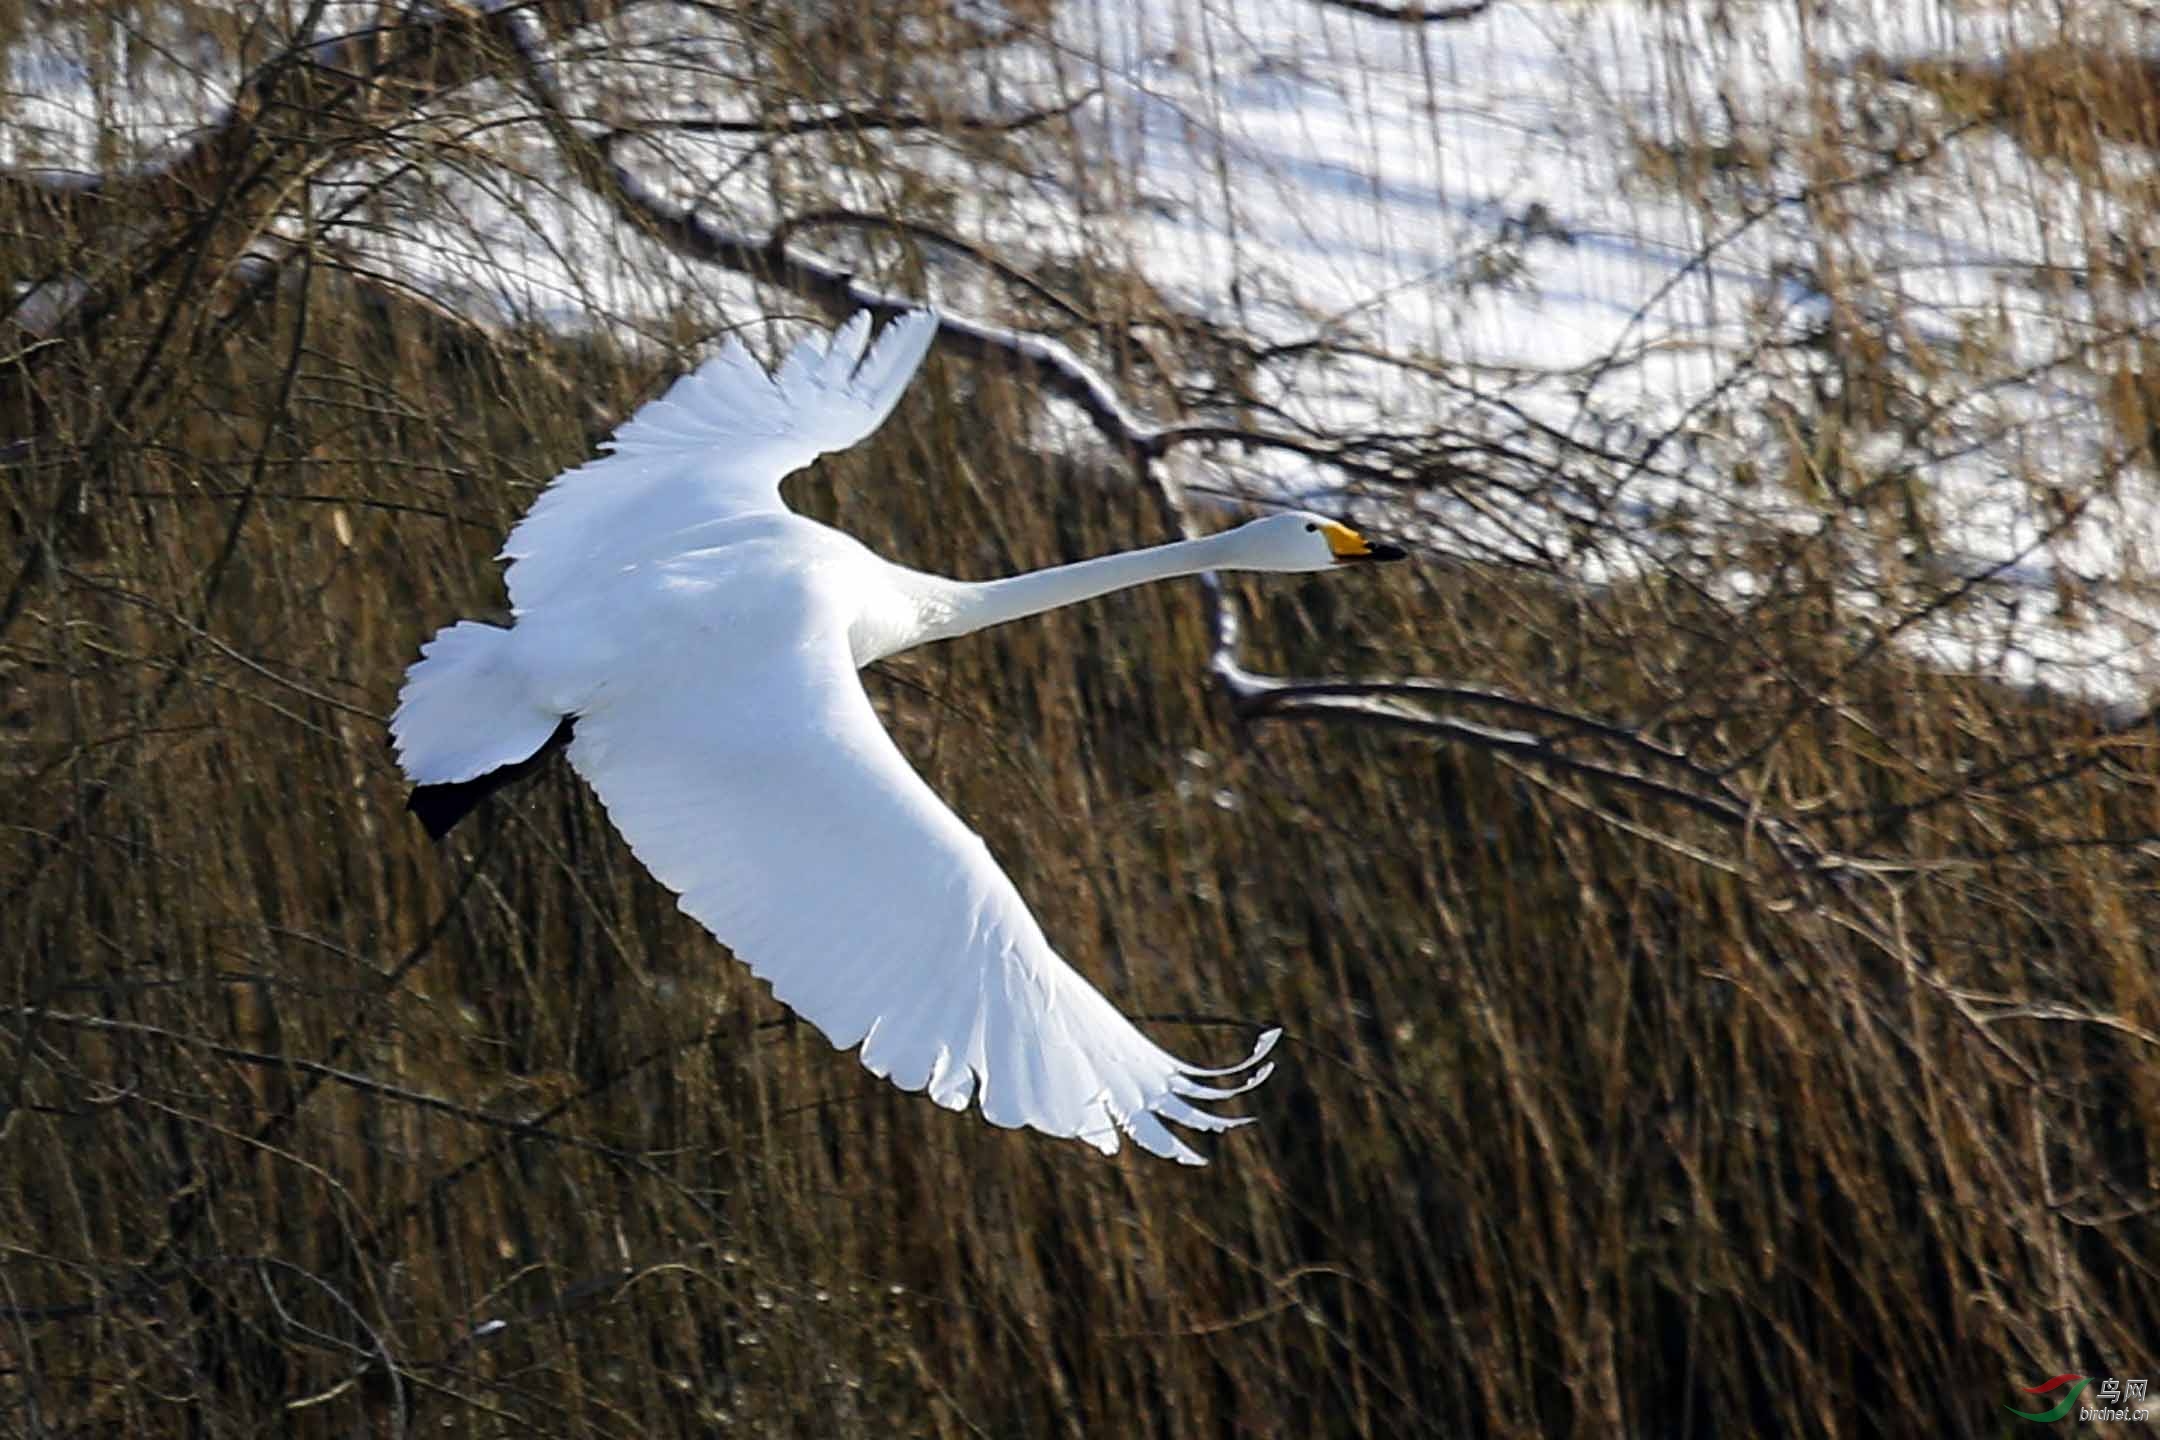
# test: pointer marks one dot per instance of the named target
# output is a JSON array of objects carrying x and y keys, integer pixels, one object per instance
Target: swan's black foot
[{"x": 442, "y": 806}]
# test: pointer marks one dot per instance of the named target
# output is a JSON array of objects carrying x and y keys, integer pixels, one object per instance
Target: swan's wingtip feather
[
  {"x": 845, "y": 351},
  {"x": 1184, "y": 1086},
  {"x": 1148, "y": 1130},
  {"x": 1260, "y": 1050},
  {"x": 892, "y": 362}
]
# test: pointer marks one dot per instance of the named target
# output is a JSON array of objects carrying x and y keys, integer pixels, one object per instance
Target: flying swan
[{"x": 695, "y": 645}]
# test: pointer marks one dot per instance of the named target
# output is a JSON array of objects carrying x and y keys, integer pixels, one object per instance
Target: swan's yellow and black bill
[{"x": 1352, "y": 548}]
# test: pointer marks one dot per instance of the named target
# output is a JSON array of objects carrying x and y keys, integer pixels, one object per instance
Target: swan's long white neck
[{"x": 969, "y": 606}]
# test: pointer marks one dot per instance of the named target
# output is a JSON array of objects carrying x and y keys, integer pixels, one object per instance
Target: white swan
[{"x": 696, "y": 646}]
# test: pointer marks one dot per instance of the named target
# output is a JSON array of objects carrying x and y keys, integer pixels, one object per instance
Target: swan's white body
[{"x": 706, "y": 640}]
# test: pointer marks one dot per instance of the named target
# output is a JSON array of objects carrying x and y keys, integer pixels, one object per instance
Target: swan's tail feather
[{"x": 465, "y": 710}]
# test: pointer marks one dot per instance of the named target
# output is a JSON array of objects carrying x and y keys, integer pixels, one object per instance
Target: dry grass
[
  {"x": 2062, "y": 102},
  {"x": 1589, "y": 1120}
]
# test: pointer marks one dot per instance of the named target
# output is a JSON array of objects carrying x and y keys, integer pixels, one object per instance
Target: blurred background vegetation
[{"x": 1764, "y": 1047}]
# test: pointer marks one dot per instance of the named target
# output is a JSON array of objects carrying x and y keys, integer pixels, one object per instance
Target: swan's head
[{"x": 1295, "y": 541}]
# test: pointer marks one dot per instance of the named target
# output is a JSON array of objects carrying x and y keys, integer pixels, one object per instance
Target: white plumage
[{"x": 705, "y": 641}]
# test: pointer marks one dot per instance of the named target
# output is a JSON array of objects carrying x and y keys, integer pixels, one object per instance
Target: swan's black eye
[{"x": 1311, "y": 525}]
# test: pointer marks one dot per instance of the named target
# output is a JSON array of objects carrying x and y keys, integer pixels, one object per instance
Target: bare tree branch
[
  {"x": 848, "y": 122},
  {"x": 1412, "y": 13}
]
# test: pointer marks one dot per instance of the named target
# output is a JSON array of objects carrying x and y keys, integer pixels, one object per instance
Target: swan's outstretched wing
[
  {"x": 775, "y": 804},
  {"x": 717, "y": 444}
]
